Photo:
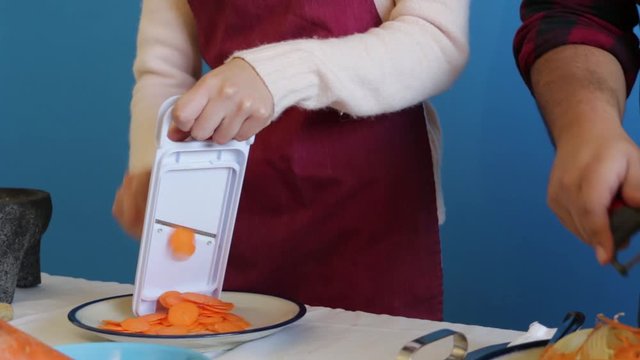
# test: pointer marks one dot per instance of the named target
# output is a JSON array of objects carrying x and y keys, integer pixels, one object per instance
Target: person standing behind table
[
  {"x": 339, "y": 201},
  {"x": 580, "y": 59}
]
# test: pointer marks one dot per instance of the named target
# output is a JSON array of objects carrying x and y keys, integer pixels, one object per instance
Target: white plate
[{"x": 267, "y": 314}]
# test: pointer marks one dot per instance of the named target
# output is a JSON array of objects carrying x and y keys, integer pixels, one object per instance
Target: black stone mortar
[{"x": 24, "y": 217}]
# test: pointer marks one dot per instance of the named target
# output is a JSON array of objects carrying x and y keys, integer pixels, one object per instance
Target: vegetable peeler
[
  {"x": 194, "y": 185},
  {"x": 624, "y": 222}
]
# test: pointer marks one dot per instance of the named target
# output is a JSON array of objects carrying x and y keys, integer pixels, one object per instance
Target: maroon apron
[{"x": 334, "y": 211}]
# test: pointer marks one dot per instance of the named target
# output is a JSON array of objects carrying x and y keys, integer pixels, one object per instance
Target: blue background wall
[{"x": 65, "y": 83}]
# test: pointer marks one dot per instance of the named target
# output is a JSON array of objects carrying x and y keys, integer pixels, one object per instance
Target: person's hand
[
  {"x": 592, "y": 164},
  {"x": 230, "y": 102},
  {"x": 130, "y": 203}
]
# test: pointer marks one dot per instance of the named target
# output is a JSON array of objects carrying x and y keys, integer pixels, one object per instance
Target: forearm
[
  {"x": 603, "y": 24},
  {"x": 579, "y": 88},
  {"x": 416, "y": 54},
  {"x": 167, "y": 64}
]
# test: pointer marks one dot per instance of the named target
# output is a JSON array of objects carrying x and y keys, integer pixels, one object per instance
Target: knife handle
[{"x": 624, "y": 222}]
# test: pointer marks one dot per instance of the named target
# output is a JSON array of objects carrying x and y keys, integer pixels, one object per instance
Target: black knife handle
[{"x": 624, "y": 222}]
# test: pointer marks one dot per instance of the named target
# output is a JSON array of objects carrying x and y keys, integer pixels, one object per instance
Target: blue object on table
[{"x": 127, "y": 351}]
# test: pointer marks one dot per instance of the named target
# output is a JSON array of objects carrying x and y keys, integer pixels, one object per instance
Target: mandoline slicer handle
[
  {"x": 194, "y": 184},
  {"x": 164, "y": 119}
]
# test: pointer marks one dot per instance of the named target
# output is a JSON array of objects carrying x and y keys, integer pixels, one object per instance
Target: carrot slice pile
[
  {"x": 183, "y": 313},
  {"x": 182, "y": 243}
]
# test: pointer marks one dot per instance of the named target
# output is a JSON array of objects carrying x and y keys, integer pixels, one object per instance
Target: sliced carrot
[
  {"x": 111, "y": 327},
  {"x": 173, "y": 330},
  {"x": 153, "y": 330},
  {"x": 201, "y": 298},
  {"x": 187, "y": 313},
  {"x": 184, "y": 313},
  {"x": 135, "y": 324},
  {"x": 236, "y": 319},
  {"x": 210, "y": 319},
  {"x": 154, "y": 317},
  {"x": 228, "y": 326},
  {"x": 182, "y": 243},
  {"x": 208, "y": 302},
  {"x": 218, "y": 308},
  {"x": 196, "y": 327},
  {"x": 110, "y": 322},
  {"x": 204, "y": 312},
  {"x": 170, "y": 298}
]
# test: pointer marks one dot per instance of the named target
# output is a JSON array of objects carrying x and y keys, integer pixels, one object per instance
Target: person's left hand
[
  {"x": 130, "y": 202},
  {"x": 230, "y": 102}
]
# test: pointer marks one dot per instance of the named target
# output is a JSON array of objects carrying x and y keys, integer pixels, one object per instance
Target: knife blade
[{"x": 196, "y": 231}]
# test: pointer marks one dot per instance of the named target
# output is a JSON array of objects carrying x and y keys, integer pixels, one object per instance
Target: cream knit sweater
[{"x": 416, "y": 53}]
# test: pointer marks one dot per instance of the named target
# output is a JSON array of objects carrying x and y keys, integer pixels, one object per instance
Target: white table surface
[{"x": 323, "y": 333}]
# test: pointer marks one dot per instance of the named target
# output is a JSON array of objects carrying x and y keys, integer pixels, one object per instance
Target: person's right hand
[
  {"x": 130, "y": 202},
  {"x": 229, "y": 102},
  {"x": 592, "y": 164}
]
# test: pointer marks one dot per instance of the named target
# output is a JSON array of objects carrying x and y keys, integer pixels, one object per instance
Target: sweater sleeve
[
  {"x": 167, "y": 63},
  {"x": 605, "y": 24},
  {"x": 417, "y": 53}
]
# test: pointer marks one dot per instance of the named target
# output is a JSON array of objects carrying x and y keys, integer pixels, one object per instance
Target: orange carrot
[
  {"x": 153, "y": 318},
  {"x": 173, "y": 330},
  {"x": 182, "y": 243},
  {"x": 170, "y": 298},
  {"x": 135, "y": 325},
  {"x": 227, "y": 326},
  {"x": 235, "y": 319},
  {"x": 184, "y": 313},
  {"x": 18, "y": 345},
  {"x": 201, "y": 298},
  {"x": 210, "y": 319},
  {"x": 112, "y": 327},
  {"x": 208, "y": 302},
  {"x": 111, "y": 322}
]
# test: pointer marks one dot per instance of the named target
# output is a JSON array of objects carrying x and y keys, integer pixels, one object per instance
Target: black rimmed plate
[{"x": 267, "y": 314}]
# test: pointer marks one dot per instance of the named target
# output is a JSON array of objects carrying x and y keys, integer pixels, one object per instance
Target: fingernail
[{"x": 601, "y": 255}]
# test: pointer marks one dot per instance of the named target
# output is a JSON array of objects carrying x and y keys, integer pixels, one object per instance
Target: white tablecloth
[{"x": 323, "y": 333}]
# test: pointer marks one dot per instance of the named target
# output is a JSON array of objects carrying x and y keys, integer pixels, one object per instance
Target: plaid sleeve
[{"x": 605, "y": 24}]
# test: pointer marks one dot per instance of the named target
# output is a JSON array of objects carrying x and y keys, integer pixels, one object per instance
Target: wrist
[
  {"x": 584, "y": 126},
  {"x": 286, "y": 70}
]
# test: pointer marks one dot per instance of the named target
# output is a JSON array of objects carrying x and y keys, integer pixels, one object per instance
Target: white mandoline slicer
[{"x": 194, "y": 184}]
